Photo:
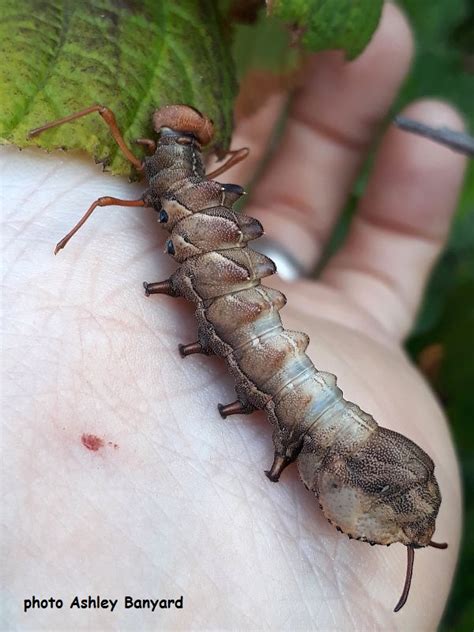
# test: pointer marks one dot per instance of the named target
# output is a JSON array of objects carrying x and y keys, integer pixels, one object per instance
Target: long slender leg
[
  {"x": 102, "y": 201},
  {"x": 109, "y": 118},
  {"x": 236, "y": 156}
]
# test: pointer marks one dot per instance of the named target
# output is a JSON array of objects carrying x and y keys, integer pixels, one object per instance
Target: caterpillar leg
[
  {"x": 193, "y": 347},
  {"x": 235, "y": 408},
  {"x": 109, "y": 118},
  {"x": 284, "y": 456},
  {"x": 102, "y": 201},
  {"x": 235, "y": 156},
  {"x": 160, "y": 287},
  {"x": 277, "y": 467}
]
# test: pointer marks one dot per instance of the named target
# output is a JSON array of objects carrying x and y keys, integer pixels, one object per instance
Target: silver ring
[{"x": 288, "y": 268}]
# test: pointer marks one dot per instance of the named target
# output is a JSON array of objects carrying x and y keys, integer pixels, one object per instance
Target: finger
[
  {"x": 331, "y": 124},
  {"x": 253, "y": 130},
  {"x": 402, "y": 222}
]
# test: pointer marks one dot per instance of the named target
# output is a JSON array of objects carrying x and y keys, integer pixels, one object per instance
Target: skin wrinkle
[
  {"x": 287, "y": 204},
  {"x": 91, "y": 387},
  {"x": 292, "y": 568},
  {"x": 117, "y": 355},
  {"x": 282, "y": 508},
  {"x": 13, "y": 220},
  {"x": 255, "y": 467},
  {"x": 246, "y": 590},
  {"x": 318, "y": 129},
  {"x": 126, "y": 324},
  {"x": 426, "y": 249},
  {"x": 193, "y": 554},
  {"x": 352, "y": 580},
  {"x": 373, "y": 268},
  {"x": 402, "y": 229},
  {"x": 248, "y": 459},
  {"x": 315, "y": 577},
  {"x": 340, "y": 278},
  {"x": 385, "y": 232},
  {"x": 30, "y": 202},
  {"x": 8, "y": 268},
  {"x": 236, "y": 489}
]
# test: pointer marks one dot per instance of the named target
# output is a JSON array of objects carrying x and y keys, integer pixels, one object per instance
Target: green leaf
[
  {"x": 265, "y": 44},
  {"x": 61, "y": 56},
  {"x": 345, "y": 24}
]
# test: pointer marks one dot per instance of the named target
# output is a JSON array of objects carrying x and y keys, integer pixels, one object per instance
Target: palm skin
[{"x": 174, "y": 500}]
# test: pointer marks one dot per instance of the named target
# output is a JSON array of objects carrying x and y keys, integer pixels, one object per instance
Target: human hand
[{"x": 174, "y": 501}]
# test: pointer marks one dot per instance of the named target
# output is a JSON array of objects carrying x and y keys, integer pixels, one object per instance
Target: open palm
[{"x": 120, "y": 478}]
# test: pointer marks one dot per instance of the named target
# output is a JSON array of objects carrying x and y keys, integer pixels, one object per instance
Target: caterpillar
[{"x": 371, "y": 483}]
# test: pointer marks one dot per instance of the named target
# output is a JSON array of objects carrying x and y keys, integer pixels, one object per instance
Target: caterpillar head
[{"x": 183, "y": 118}]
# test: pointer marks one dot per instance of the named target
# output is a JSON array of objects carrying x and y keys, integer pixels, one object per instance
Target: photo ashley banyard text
[{"x": 102, "y": 603}]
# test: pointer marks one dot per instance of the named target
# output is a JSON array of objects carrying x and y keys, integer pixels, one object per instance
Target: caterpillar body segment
[{"x": 372, "y": 484}]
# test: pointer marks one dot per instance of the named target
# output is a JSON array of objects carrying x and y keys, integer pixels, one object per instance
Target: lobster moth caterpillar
[{"x": 371, "y": 483}]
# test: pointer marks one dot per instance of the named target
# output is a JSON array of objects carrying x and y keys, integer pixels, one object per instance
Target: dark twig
[{"x": 458, "y": 141}]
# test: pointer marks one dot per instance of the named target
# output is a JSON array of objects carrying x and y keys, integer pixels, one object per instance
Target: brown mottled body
[{"x": 371, "y": 483}]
